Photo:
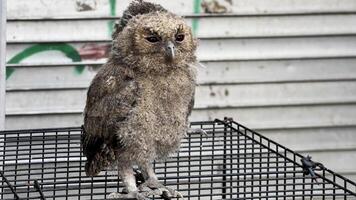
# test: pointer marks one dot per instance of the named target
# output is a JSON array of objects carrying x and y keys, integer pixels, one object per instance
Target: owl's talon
[
  {"x": 197, "y": 131},
  {"x": 149, "y": 191},
  {"x": 157, "y": 192},
  {"x": 179, "y": 195},
  {"x": 129, "y": 196},
  {"x": 160, "y": 190},
  {"x": 170, "y": 193}
]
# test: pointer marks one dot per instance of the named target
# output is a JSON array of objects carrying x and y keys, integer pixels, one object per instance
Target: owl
[{"x": 138, "y": 103}]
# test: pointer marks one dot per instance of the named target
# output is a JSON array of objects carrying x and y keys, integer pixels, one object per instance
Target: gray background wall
[{"x": 285, "y": 68}]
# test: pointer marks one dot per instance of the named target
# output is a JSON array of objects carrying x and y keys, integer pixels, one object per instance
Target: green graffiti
[
  {"x": 9, "y": 72},
  {"x": 67, "y": 49},
  {"x": 111, "y": 23},
  {"x": 195, "y": 22}
]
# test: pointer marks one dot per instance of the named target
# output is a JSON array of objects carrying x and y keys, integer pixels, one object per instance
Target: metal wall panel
[
  {"x": 207, "y": 96},
  {"x": 286, "y": 68},
  {"x": 272, "y": 117},
  {"x": 233, "y": 26},
  {"x": 2, "y": 63},
  {"x": 221, "y": 72},
  {"x": 232, "y": 49},
  {"x": 304, "y": 139},
  {"x": 25, "y": 8}
]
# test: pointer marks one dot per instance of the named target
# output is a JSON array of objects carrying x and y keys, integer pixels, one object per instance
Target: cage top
[{"x": 230, "y": 162}]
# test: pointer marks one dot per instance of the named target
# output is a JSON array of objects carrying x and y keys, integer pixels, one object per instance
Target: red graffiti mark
[
  {"x": 86, "y": 5},
  {"x": 94, "y": 51},
  {"x": 215, "y": 6}
]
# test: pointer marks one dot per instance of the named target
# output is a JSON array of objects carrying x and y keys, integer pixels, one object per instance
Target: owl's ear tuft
[
  {"x": 137, "y": 7},
  {"x": 116, "y": 31}
]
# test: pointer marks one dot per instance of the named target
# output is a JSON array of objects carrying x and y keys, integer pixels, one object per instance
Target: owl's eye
[
  {"x": 180, "y": 38},
  {"x": 152, "y": 39}
]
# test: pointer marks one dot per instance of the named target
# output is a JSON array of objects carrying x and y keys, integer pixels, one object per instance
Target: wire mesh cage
[{"x": 230, "y": 162}]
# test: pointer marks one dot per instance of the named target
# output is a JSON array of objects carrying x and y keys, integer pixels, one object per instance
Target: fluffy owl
[{"x": 138, "y": 104}]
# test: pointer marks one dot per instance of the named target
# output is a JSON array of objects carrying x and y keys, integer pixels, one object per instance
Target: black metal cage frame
[{"x": 230, "y": 162}]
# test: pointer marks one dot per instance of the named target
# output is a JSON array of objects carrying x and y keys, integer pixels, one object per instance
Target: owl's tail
[
  {"x": 99, "y": 155},
  {"x": 137, "y": 7},
  {"x": 100, "y": 161}
]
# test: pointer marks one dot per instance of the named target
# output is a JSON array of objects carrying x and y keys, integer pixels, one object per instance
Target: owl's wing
[
  {"x": 108, "y": 104},
  {"x": 191, "y": 105}
]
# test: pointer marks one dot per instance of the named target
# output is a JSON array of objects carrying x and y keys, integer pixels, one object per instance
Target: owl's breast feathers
[{"x": 163, "y": 108}]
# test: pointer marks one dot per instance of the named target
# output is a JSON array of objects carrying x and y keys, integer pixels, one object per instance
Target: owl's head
[{"x": 155, "y": 42}]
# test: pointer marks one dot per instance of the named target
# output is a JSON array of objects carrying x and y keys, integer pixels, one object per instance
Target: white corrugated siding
[{"x": 286, "y": 68}]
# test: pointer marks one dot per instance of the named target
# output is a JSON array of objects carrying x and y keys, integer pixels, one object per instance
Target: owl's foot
[
  {"x": 136, "y": 195},
  {"x": 197, "y": 131},
  {"x": 159, "y": 189}
]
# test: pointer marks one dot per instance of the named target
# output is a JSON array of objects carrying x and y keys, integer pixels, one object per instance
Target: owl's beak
[{"x": 170, "y": 50}]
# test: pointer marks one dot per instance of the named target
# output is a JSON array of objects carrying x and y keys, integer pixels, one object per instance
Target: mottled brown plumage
[{"x": 138, "y": 104}]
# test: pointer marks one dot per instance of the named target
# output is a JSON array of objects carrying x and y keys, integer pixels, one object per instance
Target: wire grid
[{"x": 231, "y": 162}]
